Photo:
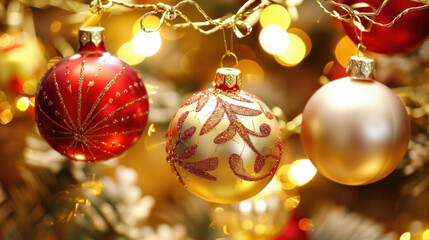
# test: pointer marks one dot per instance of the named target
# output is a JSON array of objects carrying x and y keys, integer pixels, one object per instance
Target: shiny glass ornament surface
[
  {"x": 91, "y": 106},
  {"x": 404, "y": 36},
  {"x": 355, "y": 131},
  {"x": 260, "y": 217},
  {"x": 224, "y": 145}
]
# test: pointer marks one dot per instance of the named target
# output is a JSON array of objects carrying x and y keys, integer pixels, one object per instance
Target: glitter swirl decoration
[
  {"x": 91, "y": 106},
  {"x": 224, "y": 145}
]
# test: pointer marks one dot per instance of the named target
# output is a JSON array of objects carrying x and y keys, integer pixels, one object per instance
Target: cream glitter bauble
[{"x": 224, "y": 143}]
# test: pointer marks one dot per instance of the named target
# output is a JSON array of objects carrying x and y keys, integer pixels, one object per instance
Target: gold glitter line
[
  {"x": 97, "y": 101},
  {"x": 69, "y": 137},
  {"x": 117, "y": 110},
  {"x": 83, "y": 150},
  {"x": 74, "y": 147},
  {"x": 53, "y": 121},
  {"x": 97, "y": 147},
  {"x": 65, "y": 133},
  {"x": 79, "y": 91},
  {"x": 94, "y": 116},
  {"x": 89, "y": 150},
  {"x": 69, "y": 146},
  {"x": 116, "y": 133},
  {"x": 60, "y": 96},
  {"x": 107, "y": 125}
]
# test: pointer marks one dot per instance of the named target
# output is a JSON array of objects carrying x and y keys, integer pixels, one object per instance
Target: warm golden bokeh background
[{"x": 289, "y": 54}]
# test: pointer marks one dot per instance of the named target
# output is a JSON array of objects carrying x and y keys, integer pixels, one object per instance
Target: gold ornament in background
[
  {"x": 260, "y": 217},
  {"x": 224, "y": 143},
  {"x": 355, "y": 131},
  {"x": 21, "y": 59}
]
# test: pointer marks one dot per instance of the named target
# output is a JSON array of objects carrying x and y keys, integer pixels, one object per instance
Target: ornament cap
[
  {"x": 228, "y": 78},
  {"x": 91, "y": 37},
  {"x": 361, "y": 68}
]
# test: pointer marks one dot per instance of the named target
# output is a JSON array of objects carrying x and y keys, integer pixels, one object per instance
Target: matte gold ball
[{"x": 355, "y": 132}]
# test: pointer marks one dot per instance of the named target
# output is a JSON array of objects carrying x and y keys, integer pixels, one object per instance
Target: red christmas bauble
[
  {"x": 404, "y": 36},
  {"x": 333, "y": 70},
  {"x": 91, "y": 106}
]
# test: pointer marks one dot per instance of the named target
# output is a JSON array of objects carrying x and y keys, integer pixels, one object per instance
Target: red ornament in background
[
  {"x": 91, "y": 106},
  {"x": 292, "y": 230},
  {"x": 404, "y": 36},
  {"x": 333, "y": 70}
]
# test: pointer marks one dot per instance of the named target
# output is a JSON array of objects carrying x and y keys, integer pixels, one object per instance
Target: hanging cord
[
  {"x": 228, "y": 52},
  {"x": 170, "y": 13}
]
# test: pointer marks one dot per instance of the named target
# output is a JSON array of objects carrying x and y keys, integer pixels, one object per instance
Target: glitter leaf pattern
[
  {"x": 198, "y": 168},
  {"x": 232, "y": 112}
]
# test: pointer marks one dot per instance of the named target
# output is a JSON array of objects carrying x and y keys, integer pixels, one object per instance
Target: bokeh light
[
  {"x": 250, "y": 70},
  {"x": 260, "y": 217},
  {"x": 304, "y": 37},
  {"x": 127, "y": 54},
  {"x": 171, "y": 34},
  {"x": 274, "y": 39},
  {"x": 275, "y": 14},
  {"x": 293, "y": 199},
  {"x": 150, "y": 21},
  {"x": 302, "y": 171},
  {"x": 80, "y": 157},
  {"x": 344, "y": 49},
  {"x": 305, "y": 224},
  {"x": 30, "y": 86},
  {"x": 294, "y": 54},
  {"x": 147, "y": 44},
  {"x": 244, "y": 51},
  {"x": 6, "y": 116},
  {"x": 56, "y": 26},
  {"x": 405, "y": 236},
  {"x": 416, "y": 228},
  {"x": 282, "y": 174},
  {"x": 425, "y": 235},
  {"x": 22, "y": 103}
]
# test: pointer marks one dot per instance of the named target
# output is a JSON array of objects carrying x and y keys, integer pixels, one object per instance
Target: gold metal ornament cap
[
  {"x": 91, "y": 34},
  {"x": 228, "y": 78},
  {"x": 361, "y": 68}
]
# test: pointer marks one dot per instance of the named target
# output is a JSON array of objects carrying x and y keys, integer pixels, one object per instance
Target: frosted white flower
[
  {"x": 39, "y": 153},
  {"x": 126, "y": 209}
]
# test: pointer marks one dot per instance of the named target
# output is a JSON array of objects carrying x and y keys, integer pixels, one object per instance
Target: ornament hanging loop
[
  {"x": 229, "y": 54},
  {"x": 360, "y": 28},
  {"x": 360, "y": 50}
]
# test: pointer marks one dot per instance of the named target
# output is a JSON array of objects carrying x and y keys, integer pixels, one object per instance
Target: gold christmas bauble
[
  {"x": 355, "y": 131},
  {"x": 261, "y": 217},
  {"x": 224, "y": 144}
]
